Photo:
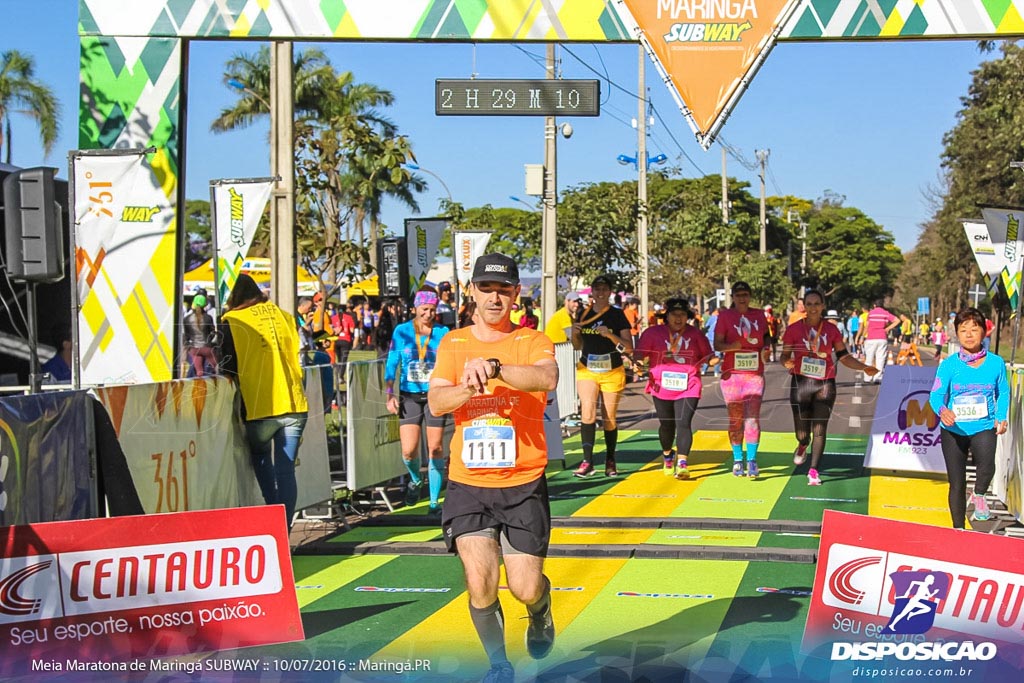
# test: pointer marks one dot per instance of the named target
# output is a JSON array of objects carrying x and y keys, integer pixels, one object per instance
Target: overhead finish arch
[{"x": 133, "y": 61}]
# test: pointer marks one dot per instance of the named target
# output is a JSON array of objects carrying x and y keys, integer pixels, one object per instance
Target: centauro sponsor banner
[
  {"x": 469, "y": 246},
  {"x": 237, "y": 208},
  {"x": 905, "y": 430},
  {"x": 893, "y": 592},
  {"x": 989, "y": 263},
  {"x": 422, "y": 239},
  {"x": 709, "y": 48},
  {"x": 124, "y": 267},
  {"x": 184, "y": 444},
  {"x": 83, "y": 592},
  {"x": 1004, "y": 228}
]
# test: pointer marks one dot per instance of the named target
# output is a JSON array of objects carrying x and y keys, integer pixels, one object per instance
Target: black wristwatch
[{"x": 495, "y": 367}]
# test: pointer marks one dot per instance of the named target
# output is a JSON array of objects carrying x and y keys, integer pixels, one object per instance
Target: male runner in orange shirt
[{"x": 494, "y": 376}]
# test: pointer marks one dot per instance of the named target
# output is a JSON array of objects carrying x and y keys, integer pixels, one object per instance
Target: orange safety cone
[{"x": 890, "y": 361}]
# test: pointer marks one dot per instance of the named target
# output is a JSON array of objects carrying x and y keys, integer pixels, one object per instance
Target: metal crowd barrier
[{"x": 568, "y": 400}]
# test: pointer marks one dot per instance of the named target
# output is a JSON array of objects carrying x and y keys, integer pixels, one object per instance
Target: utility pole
[
  {"x": 643, "y": 288},
  {"x": 725, "y": 221},
  {"x": 282, "y": 165},
  {"x": 549, "y": 218},
  {"x": 762, "y": 156}
]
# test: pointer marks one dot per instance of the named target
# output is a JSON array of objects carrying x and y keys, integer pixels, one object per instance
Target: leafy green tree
[
  {"x": 597, "y": 232},
  {"x": 515, "y": 232},
  {"x": 21, "y": 93},
  {"x": 348, "y": 157},
  {"x": 976, "y": 158},
  {"x": 766, "y": 276},
  {"x": 849, "y": 256}
]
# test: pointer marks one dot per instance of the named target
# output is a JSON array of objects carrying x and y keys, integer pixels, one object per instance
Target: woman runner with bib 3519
[
  {"x": 741, "y": 334},
  {"x": 808, "y": 346},
  {"x": 676, "y": 351},
  {"x": 972, "y": 399},
  {"x": 602, "y": 333}
]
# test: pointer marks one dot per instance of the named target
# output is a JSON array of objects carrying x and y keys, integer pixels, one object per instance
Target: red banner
[
  {"x": 889, "y": 592},
  {"x": 124, "y": 589}
]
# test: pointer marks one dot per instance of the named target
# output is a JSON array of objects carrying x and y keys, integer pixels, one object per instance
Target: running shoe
[
  {"x": 681, "y": 470},
  {"x": 434, "y": 510},
  {"x": 737, "y": 468},
  {"x": 669, "y": 459},
  {"x": 812, "y": 478},
  {"x": 610, "y": 470},
  {"x": 981, "y": 511},
  {"x": 540, "y": 634},
  {"x": 800, "y": 455},
  {"x": 752, "y": 470},
  {"x": 584, "y": 470},
  {"x": 412, "y": 492},
  {"x": 500, "y": 673}
]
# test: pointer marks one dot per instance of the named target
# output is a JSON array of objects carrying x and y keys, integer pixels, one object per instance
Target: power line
[{"x": 681, "y": 150}]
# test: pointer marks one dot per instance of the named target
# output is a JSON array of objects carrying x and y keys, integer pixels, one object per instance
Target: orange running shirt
[{"x": 525, "y": 409}]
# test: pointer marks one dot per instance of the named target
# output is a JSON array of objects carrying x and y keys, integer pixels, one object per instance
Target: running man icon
[{"x": 918, "y": 596}]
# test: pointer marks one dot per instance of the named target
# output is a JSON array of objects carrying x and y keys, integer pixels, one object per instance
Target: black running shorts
[
  {"x": 521, "y": 513},
  {"x": 413, "y": 410}
]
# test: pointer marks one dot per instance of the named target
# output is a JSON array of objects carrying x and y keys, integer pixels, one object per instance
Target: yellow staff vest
[{"x": 267, "y": 344}]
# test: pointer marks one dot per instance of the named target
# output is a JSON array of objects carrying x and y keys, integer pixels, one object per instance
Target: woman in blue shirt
[
  {"x": 972, "y": 399},
  {"x": 411, "y": 358}
]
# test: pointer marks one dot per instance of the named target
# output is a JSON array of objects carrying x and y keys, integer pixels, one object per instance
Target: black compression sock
[
  {"x": 611, "y": 439},
  {"x": 587, "y": 434},
  {"x": 490, "y": 626},
  {"x": 542, "y": 603}
]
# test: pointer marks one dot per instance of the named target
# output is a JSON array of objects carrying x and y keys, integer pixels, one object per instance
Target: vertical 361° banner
[{"x": 124, "y": 263}]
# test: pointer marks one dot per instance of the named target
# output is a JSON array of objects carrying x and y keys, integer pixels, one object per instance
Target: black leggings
[
  {"x": 954, "y": 451},
  {"x": 675, "y": 419},
  {"x": 812, "y": 401}
]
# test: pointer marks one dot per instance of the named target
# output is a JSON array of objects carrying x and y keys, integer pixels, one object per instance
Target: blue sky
[{"x": 865, "y": 120}]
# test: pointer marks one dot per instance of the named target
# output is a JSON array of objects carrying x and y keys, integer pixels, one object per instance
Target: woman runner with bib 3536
[
  {"x": 972, "y": 399},
  {"x": 741, "y": 334},
  {"x": 808, "y": 346},
  {"x": 676, "y": 351},
  {"x": 602, "y": 333}
]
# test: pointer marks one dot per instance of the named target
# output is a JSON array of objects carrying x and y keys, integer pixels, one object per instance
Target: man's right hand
[{"x": 392, "y": 404}]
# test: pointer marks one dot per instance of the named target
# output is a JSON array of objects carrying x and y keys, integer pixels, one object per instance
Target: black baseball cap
[
  {"x": 496, "y": 268},
  {"x": 678, "y": 304},
  {"x": 741, "y": 286},
  {"x": 603, "y": 280}
]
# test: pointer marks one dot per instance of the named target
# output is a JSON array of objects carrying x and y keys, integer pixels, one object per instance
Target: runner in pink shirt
[
  {"x": 810, "y": 349},
  {"x": 676, "y": 352},
  {"x": 742, "y": 335},
  {"x": 876, "y": 343}
]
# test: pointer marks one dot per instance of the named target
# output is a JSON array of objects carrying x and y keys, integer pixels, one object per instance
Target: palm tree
[
  {"x": 21, "y": 93},
  {"x": 348, "y": 155}
]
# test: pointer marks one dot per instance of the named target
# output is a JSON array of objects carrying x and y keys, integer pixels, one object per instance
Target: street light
[
  {"x": 525, "y": 203},
  {"x": 656, "y": 159},
  {"x": 238, "y": 85},
  {"x": 416, "y": 167}
]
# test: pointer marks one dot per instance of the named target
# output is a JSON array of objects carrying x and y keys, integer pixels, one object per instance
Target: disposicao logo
[{"x": 917, "y": 598}]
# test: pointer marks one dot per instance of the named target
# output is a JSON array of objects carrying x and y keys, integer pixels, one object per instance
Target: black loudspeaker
[
  {"x": 34, "y": 240},
  {"x": 393, "y": 268}
]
